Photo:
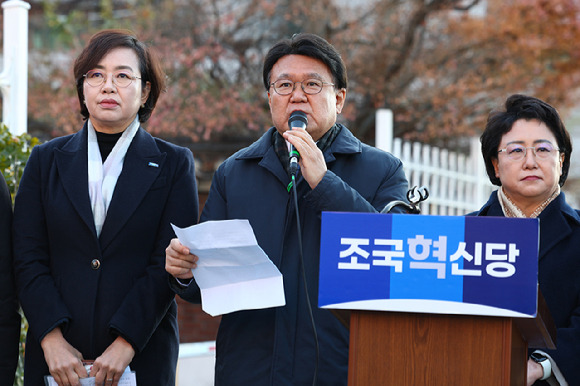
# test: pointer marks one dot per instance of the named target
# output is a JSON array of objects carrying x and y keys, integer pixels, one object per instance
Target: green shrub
[{"x": 14, "y": 153}]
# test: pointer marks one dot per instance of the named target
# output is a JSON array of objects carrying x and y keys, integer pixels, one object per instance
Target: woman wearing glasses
[
  {"x": 527, "y": 150},
  {"x": 92, "y": 220}
]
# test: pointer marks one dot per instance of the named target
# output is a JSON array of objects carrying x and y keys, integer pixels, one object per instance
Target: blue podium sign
[{"x": 431, "y": 264}]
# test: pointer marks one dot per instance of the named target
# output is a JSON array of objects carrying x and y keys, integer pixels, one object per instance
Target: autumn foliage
[{"x": 440, "y": 65}]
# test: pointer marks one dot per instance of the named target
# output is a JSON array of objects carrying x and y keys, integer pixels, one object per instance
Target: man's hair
[
  {"x": 524, "y": 107},
  {"x": 310, "y": 45}
]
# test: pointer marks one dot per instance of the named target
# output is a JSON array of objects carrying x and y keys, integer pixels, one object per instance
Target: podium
[
  {"x": 396, "y": 348},
  {"x": 434, "y": 300}
]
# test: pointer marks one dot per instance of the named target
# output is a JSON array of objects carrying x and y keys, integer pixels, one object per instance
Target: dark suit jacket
[
  {"x": 275, "y": 346},
  {"x": 559, "y": 277},
  {"x": 9, "y": 316},
  {"x": 99, "y": 288}
]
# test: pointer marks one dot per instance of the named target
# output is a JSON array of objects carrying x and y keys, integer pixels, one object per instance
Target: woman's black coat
[{"x": 98, "y": 288}]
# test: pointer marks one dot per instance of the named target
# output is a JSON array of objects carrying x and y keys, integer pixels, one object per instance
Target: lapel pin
[{"x": 153, "y": 164}]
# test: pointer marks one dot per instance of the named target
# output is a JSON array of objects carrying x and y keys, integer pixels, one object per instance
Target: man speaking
[{"x": 297, "y": 344}]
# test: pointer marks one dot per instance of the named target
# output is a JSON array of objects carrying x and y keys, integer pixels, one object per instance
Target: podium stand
[
  {"x": 434, "y": 300},
  {"x": 395, "y": 348}
]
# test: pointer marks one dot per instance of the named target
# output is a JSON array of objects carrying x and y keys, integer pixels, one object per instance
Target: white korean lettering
[
  {"x": 354, "y": 251},
  {"x": 389, "y": 255}
]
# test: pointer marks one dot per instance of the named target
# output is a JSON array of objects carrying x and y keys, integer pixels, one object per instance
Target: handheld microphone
[{"x": 297, "y": 119}]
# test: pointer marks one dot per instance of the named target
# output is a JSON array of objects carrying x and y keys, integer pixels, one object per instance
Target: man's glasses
[
  {"x": 309, "y": 86},
  {"x": 123, "y": 79},
  {"x": 517, "y": 152}
]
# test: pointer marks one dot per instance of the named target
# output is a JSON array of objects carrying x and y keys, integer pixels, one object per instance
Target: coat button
[{"x": 95, "y": 264}]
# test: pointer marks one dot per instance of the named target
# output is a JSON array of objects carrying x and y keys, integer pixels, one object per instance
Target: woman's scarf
[
  {"x": 510, "y": 209},
  {"x": 103, "y": 176}
]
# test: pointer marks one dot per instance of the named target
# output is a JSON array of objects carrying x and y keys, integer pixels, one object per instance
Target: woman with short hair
[
  {"x": 92, "y": 220},
  {"x": 527, "y": 151}
]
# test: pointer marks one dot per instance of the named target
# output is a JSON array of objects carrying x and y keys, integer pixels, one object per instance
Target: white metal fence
[{"x": 457, "y": 183}]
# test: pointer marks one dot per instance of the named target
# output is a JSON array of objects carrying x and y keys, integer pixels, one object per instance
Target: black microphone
[{"x": 297, "y": 119}]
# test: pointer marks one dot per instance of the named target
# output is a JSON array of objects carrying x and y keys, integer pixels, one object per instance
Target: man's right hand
[
  {"x": 178, "y": 261},
  {"x": 64, "y": 361}
]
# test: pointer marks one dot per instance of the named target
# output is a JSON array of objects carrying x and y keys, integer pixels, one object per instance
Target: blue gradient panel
[
  {"x": 419, "y": 279},
  {"x": 419, "y": 263}
]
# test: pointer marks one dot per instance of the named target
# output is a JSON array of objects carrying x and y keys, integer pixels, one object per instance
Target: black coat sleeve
[{"x": 9, "y": 316}]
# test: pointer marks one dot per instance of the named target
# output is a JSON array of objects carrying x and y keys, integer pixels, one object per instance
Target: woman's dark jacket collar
[{"x": 556, "y": 221}]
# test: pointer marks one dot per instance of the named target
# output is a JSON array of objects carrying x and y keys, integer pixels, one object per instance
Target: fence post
[
  {"x": 384, "y": 130},
  {"x": 482, "y": 185},
  {"x": 14, "y": 76}
]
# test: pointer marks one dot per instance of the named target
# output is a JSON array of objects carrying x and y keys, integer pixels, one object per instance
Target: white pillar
[
  {"x": 384, "y": 130},
  {"x": 14, "y": 77}
]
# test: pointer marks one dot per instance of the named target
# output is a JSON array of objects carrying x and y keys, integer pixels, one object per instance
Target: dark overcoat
[
  {"x": 558, "y": 276},
  {"x": 276, "y": 346},
  {"x": 9, "y": 316},
  {"x": 96, "y": 289}
]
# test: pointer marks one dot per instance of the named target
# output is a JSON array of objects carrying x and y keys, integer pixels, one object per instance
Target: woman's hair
[
  {"x": 524, "y": 107},
  {"x": 309, "y": 45},
  {"x": 105, "y": 41}
]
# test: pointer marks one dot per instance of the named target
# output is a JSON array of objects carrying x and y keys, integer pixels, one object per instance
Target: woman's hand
[
  {"x": 535, "y": 372},
  {"x": 178, "y": 261},
  {"x": 64, "y": 361},
  {"x": 108, "y": 368}
]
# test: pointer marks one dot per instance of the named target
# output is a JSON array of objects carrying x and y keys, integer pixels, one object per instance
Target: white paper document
[
  {"x": 127, "y": 379},
  {"x": 233, "y": 272}
]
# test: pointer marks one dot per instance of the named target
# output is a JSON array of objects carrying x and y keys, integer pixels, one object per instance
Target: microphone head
[{"x": 298, "y": 119}]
